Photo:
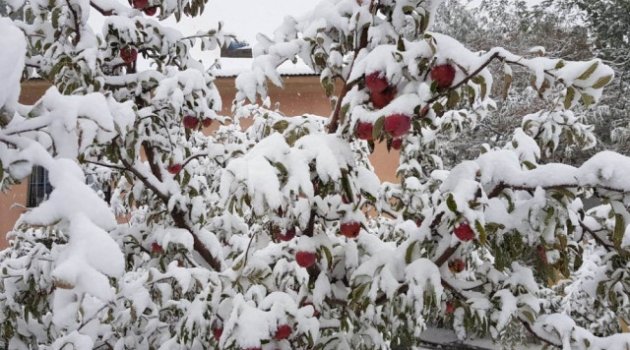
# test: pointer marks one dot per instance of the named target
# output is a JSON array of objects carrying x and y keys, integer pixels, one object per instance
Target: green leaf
[
  {"x": 587, "y": 73},
  {"x": 587, "y": 100},
  {"x": 620, "y": 228},
  {"x": 603, "y": 81},
  {"x": 377, "y": 130},
  {"x": 568, "y": 99},
  {"x": 453, "y": 99},
  {"x": 450, "y": 203},
  {"x": 409, "y": 252},
  {"x": 281, "y": 125},
  {"x": 483, "y": 236},
  {"x": 328, "y": 254}
]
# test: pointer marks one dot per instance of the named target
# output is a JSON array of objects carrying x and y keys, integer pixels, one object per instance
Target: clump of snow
[{"x": 13, "y": 51}]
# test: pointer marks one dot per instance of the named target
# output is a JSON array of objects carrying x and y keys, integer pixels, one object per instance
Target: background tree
[{"x": 280, "y": 235}]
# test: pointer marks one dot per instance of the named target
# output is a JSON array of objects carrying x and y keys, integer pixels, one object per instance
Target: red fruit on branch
[
  {"x": 140, "y": 4},
  {"x": 150, "y": 11},
  {"x": 288, "y": 235},
  {"x": 450, "y": 307},
  {"x": 217, "y": 333},
  {"x": 383, "y": 98},
  {"x": 305, "y": 259},
  {"x": 443, "y": 75},
  {"x": 128, "y": 54},
  {"x": 457, "y": 265},
  {"x": 206, "y": 122},
  {"x": 283, "y": 332},
  {"x": 364, "y": 131},
  {"x": 156, "y": 248},
  {"x": 464, "y": 232},
  {"x": 350, "y": 229},
  {"x": 397, "y": 125},
  {"x": 397, "y": 144},
  {"x": 376, "y": 82},
  {"x": 174, "y": 168},
  {"x": 190, "y": 122}
]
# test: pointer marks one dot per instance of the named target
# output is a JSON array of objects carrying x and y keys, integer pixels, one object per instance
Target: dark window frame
[{"x": 38, "y": 187}]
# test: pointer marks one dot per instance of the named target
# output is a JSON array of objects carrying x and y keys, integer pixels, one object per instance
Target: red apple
[
  {"x": 450, "y": 307},
  {"x": 397, "y": 125},
  {"x": 140, "y": 4},
  {"x": 206, "y": 122},
  {"x": 350, "y": 229},
  {"x": 150, "y": 11},
  {"x": 174, "y": 168},
  {"x": 190, "y": 122},
  {"x": 156, "y": 248},
  {"x": 217, "y": 332},
  {"x": 305, "y": 259},
  {"x": 443, "y": 75},
  {"x": 383, "y": 98},
  {"x": 464, "y": 232},
  {"x": 457, "y": 265},
  {"x": 397, "y": 144},
  {"x": 128, "y": 54},
  {"x": 283, "y": 332},
  {"x": 288, "y": 235},
  {"x": 376, "y": 82},
  {"x": 364, "y": 131}
]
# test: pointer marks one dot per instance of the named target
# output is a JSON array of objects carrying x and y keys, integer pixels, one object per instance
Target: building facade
[{"x": 301, "y": 94}]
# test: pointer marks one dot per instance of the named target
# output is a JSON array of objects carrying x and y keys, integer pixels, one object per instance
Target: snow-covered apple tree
[{"x": 280, "y": 235}]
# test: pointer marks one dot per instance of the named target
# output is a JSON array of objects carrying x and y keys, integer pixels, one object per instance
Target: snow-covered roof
[{"x": 231, "y": 67}]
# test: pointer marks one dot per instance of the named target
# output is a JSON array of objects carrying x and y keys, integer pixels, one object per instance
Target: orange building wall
[{"x": 301, "y": 94}]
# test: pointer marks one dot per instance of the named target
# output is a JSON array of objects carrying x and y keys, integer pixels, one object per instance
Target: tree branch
[
  {"x": 75, "y": 18},
  {"x": 347, "y": 86}
]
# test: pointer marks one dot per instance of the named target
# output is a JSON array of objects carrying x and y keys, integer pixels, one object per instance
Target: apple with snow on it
[
  {"x": 443, "y": 75},
  {"x": 174, "y": 168},
  {"x": 450, "y": 307},
  {"x": 217, "y": 333},
  {"x": 128, "y": 54},
  {"x": 305, "y": 259},
  {"x": 397, "y": 125},
  {"x": 150, "y": 11},
  {"x": 156, "y": 248},
  {"x": 381, "y": 99},
  {"x": 350, "y": 229},
  {"x": 140, "y": 4},
  {"x": 464, "y": 232},
  {"x": 283, "y": 332},
  {"x": 376, "y": 82},
  {"x": 288, "y": 235},
  {"x": 190, "y": 122},
  {"x": 364, "y": 131},
  {"x": 206, "y": 122},
  {"x": 457, "y": 265}
]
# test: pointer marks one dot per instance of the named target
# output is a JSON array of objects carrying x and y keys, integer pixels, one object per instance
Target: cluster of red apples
[
  {"x": 189, "y": 122},
  {"x": 382, "y": 92}
]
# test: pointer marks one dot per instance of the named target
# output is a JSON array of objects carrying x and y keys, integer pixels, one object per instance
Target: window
[{"x": 38, "y": 187}]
